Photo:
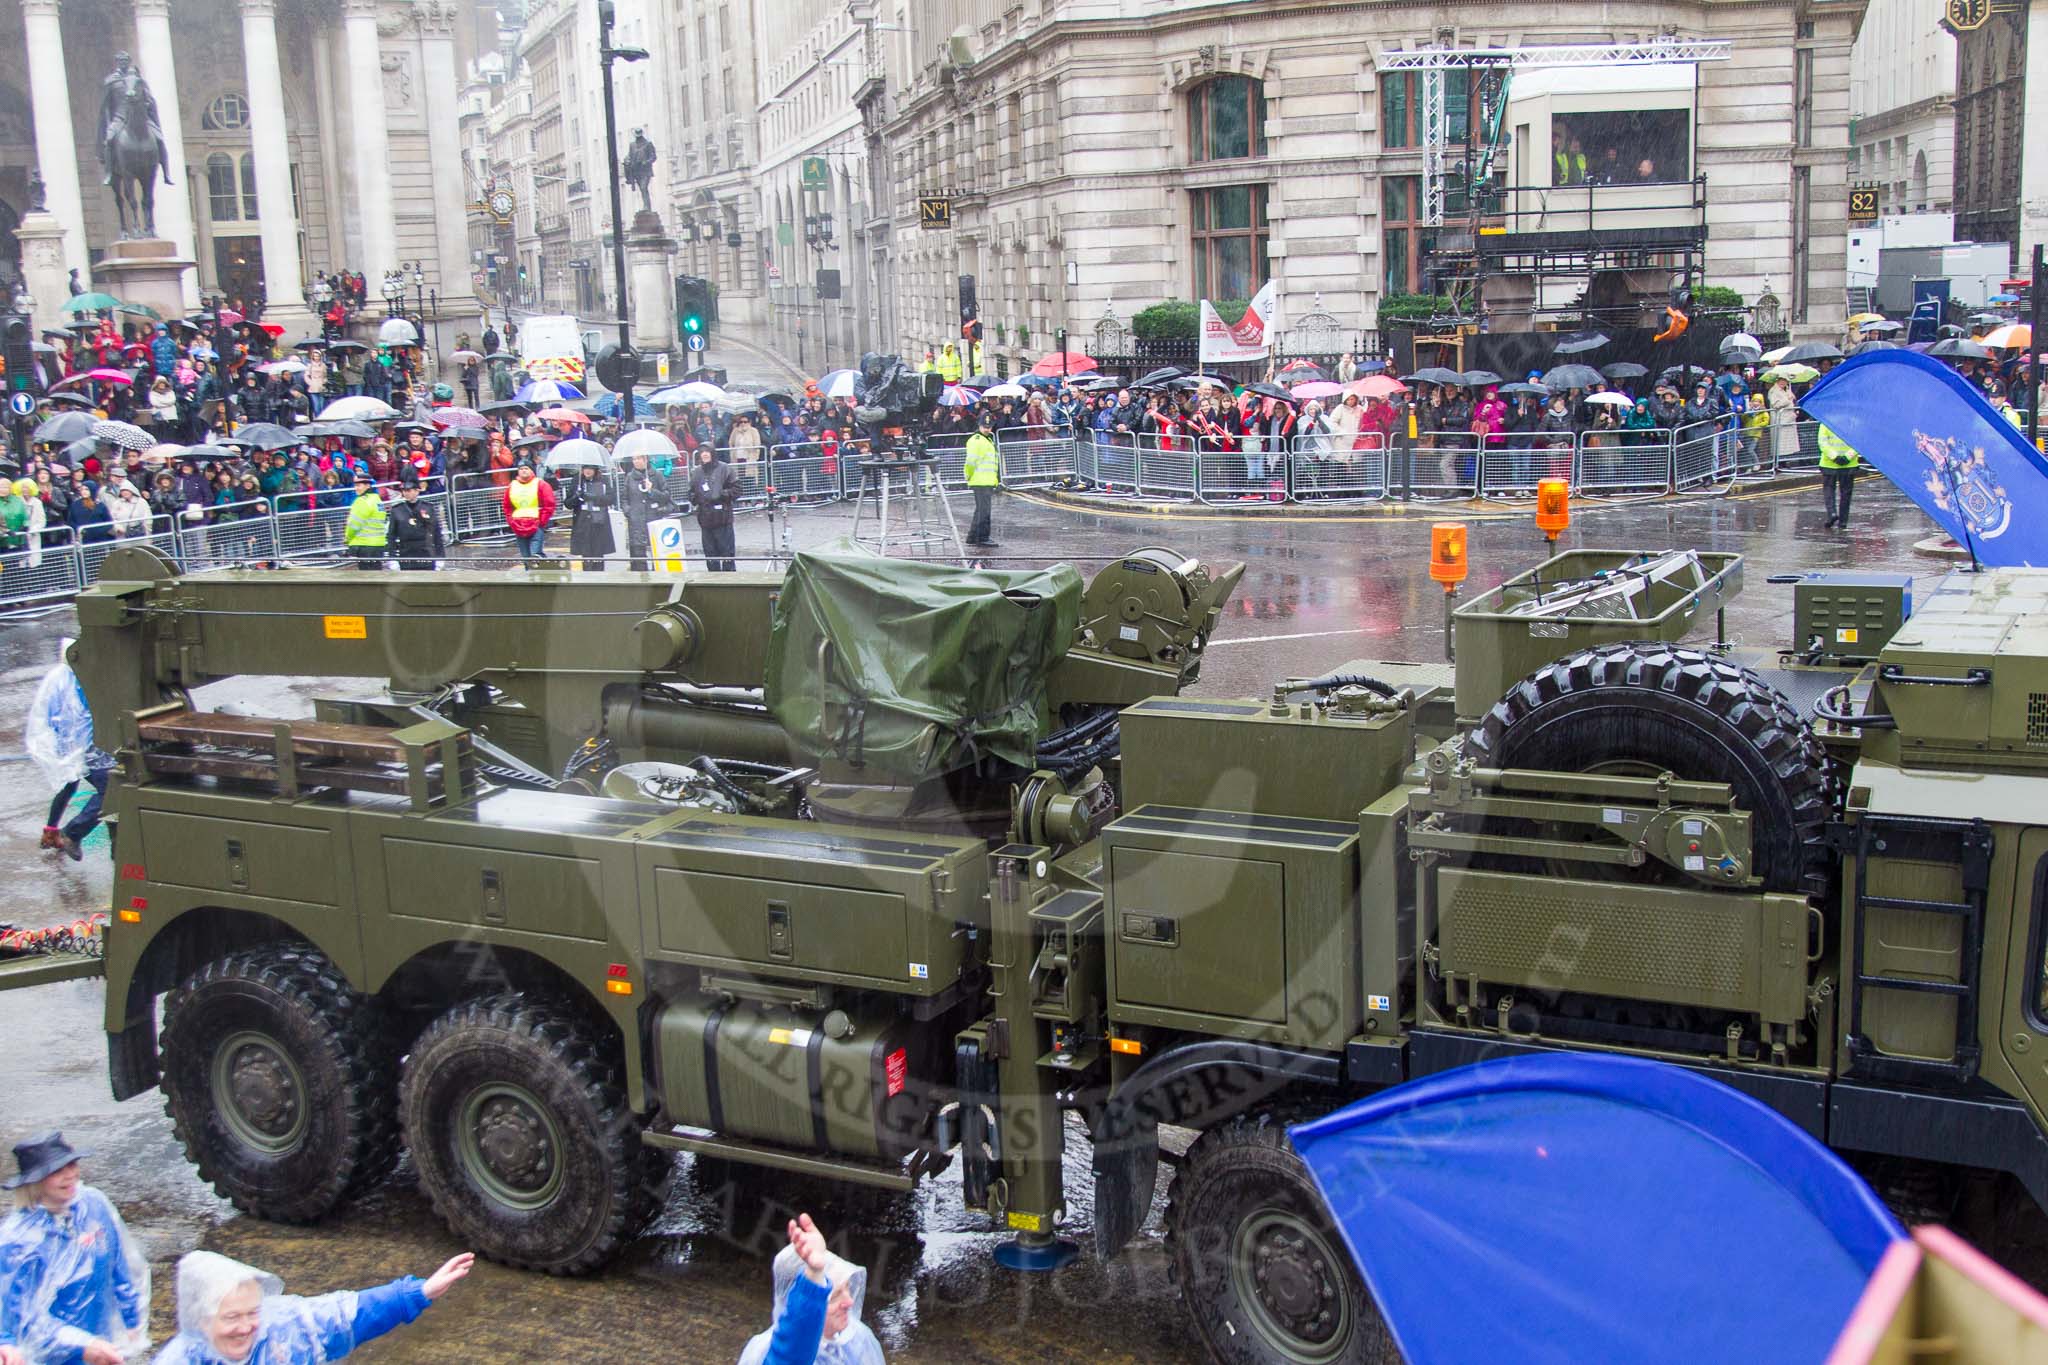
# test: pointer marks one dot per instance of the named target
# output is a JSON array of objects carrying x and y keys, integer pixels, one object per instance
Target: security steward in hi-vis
[
  {"x": 415, "y": 531},
  {"x": 1838, "y": 464},
  {"x": 369, "y": 525},
  {"x": 980, "y": 469}
]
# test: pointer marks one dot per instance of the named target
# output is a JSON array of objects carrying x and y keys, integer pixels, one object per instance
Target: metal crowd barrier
[
  {"x": 1158, "y": 470},
  {"x": 1256, "y": 471},
  {"x": 1331, "y": 468},
  {"x": 1034, "y": 461}
]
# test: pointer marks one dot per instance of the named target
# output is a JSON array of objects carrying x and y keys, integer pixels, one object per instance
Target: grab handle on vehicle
[{"x": 1975, "y": 677}]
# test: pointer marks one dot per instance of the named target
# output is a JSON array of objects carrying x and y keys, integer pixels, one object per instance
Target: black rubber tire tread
[
  {"x": 341, "y": 1041},
  {"x": 1703, "y": 718},
  {"x": 1231, "y": 1171},
  {"x": 545, "y": 1047}
]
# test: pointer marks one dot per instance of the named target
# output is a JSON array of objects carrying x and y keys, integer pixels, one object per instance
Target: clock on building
[
  {"x": 501, "y": 205},
  {"x": 1964, "y": 15}
]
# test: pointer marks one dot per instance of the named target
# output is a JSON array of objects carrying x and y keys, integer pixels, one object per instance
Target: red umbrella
[
  {"x": 1056, "y": 363},
  {"x": 563, "y": 415},
  {"x": 270, "y": 329},
  {"x": 458, "y": 417},
  {"x": 1376, "y": 386}
]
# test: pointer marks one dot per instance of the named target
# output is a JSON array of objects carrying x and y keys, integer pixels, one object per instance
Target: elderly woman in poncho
[
  {"x": 817, "y": 1308},
  {"x": 233, "y": 1314}
]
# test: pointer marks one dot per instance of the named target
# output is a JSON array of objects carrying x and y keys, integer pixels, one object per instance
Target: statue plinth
[
  {"x": 651, "y": 285},
  {"x": 42, "y": 266},
  {"x": 145, "y": 270}
]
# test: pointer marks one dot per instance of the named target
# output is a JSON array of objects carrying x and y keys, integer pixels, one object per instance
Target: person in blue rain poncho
[
  {"x": 233, "y": 1314},
  {"x": 74, "y": 1286},
  {"x": 818, "y": 1300}
]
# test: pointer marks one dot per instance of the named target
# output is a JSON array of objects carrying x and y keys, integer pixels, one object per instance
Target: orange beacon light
[{"x": 1447, "y": 554}]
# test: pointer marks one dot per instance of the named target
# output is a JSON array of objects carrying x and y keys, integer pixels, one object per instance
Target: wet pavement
[{"x": 1315, "y": 594}]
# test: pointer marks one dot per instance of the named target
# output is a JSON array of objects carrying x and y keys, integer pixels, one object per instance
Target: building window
[
  {"x": 1802, "y": 96},
  {"x": 1227, "y": 119},
  {"x": 249, "y": 186},
  {"x": 1229, "y": 241},
  {"x": 1621, "y": 147},
  {"x": 229, "y": 113},
  {"x": 1403, "y": 239},
  {"x": 1401, "y": 122},
  {"x": 220, "y": 188}
]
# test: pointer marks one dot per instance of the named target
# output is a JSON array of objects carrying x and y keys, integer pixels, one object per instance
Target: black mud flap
[{"x": 1126, "y": 1142}]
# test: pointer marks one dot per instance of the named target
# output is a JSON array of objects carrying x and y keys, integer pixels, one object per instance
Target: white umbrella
[
  {"x": 645, "y": 441},
  {"x": 465, "y": 356},
  {"x": 575, "y": 453},
  {"x": 696, "y": 391},
  {"x": 1613, "y": 400},
  {"x": 1006, "y": 391},
  {"x": 1741, "y": 339},
  {"x": 359, "y": 408},
  {"x": 397, "y": 332},
  {"x": 838, "y": 383},
  {"x": 284, "y": 367},
  {"x": 124, "y": 435},
  {"x": 1773, "y": 357}
]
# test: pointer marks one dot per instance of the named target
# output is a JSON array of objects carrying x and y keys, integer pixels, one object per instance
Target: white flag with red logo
[{"x": 1249, "y": 338}]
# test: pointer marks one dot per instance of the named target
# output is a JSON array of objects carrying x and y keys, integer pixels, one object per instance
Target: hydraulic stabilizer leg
[{"x": 1028, "y": 1195}]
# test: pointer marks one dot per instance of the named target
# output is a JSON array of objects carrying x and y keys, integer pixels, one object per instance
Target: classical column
[
  {"x": 372, "y": 144},
  {"x": 56, "y": 146},
  {"x": 282, "y": 289},
  {"x": 444, "y": 148},
  {"x": 173, "y": 202}
]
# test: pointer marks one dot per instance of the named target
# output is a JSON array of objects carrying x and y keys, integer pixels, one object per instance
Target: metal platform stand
[{"x": 903, "y": 509}]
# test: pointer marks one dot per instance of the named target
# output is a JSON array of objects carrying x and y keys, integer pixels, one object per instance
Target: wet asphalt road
[{"x": 1316, "y": 594}]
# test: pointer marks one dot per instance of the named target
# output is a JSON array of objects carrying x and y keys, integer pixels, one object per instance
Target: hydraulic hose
[{"x": 1336, "y": 680}]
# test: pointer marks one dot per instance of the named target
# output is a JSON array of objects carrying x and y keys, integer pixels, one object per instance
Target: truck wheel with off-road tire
[
  {"x": 278, "y": 1080},
  {"x": 517, "y": 1120},
  {"x": 1265, "y": 1275}
]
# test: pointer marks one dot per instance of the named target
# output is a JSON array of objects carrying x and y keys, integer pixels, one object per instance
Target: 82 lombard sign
[{"x": 1863, "y": 205}]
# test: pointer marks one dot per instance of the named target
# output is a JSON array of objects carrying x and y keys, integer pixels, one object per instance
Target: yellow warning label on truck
[
  {"x": 1028, "y": 1222},
  {"x": 1846, "y": 635},
  {"x": 346, "y": 628}
]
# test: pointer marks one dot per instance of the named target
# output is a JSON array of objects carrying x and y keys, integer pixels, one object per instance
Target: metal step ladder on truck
[{"x": 625, "y": 866}]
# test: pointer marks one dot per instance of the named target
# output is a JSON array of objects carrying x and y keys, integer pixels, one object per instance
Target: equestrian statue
[
  {"x": 132, "y": 147},
  {"x": 638, "y": 170}
]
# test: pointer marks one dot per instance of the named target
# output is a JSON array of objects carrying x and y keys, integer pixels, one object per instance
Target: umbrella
[
  {"x": 1949, "y": 329},
  {"x": 358, "y": 408},
  {"x": 58, "y": 334},
  {"x": 397, "y": 332},
  {"x": 1773, "y": 357},
  {"x": 159, "y": 454},
  {"x": 2003, "y": 298},
  {"x": 576, "y": 452},
  {"x": 1612, "y": 400},
  {"x": 1376, "y": 386},
  {"x": 83, "y": 325},
  {"x": 1437, "y": 374},
  {"x": 1741, "y": 339},
  {"x": 1955, "y": 348},
  {"x": 838, "y": 383},
  {"x": 607, "y": 405},
  {"x": 351, "y": 428},
  {"x": 1006, "y": 391},
  {"x": 347, "y": 346},
  {"x": 1620, "y": 369},
  {"x": 90, "y": 303},
  {"x": 465, "y": 356},
  {"x": 313, "y": 431},
  {"x": 1059, "y": 363},
  {"x": 1874, "y": 344},
  {"x": 1159, "y": 377},
  {"x": 64, "y": 428},
  {"x": 1858, "y": 319},
  {"x": 1317, "y": 388},
  {"x": 99, "y": 376},
  {"x": 66, "y": 400},
  {"x": 1679, "y": 375},
  {"x": 1792, "y": 373},
  {"x": 537, "y": 439},
  {"x": 1987, "y": 317},
  {"x": 228, "y": 317},
  {"x": 123, "y": 434},
  {"x": 310, "y": 344},
  {"x": 1572, "y": 377},
  {"x": 283, "y": 367},
  {"x": 464, "y": 434},
  {"x": 262, "y": 436},
  {"x": 1301, "y": 372},
  {"x": 564, "y": 415},
  {"x": 1740, "y": 355},
  {"x": 1516, "y": 390},
  {"x": 953, "y": 396},
  {"x": 1038, "y": 381},
  {"x": 458, "y": 417},
  {"x": 776, "y": 398},
  {"x": 1265, "y": 390},
  {"x": 1477, "y": 379},
  {"x": 1807, "y": 352},
  {"x": 503, "y": 405},
  {"x": 205, "y": 353},
  {"x": 548, "y": 391},
  {"x": 425, "y": 429},
  {"x": 140, "y": 310},
  {"x": 2012, "y": 336},
  {"x": 202, "y": 453},
  {"x": 696, "y": 391},
  {"x": 1578, "y": 343},
  {"x": 1883, "y": 328},
  {"x": 270, "y": 329},
  {"x": 646, "y": 442}
]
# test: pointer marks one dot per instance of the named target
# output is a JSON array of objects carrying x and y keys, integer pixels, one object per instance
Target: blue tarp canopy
[{"x": 1590, "y": 1209}]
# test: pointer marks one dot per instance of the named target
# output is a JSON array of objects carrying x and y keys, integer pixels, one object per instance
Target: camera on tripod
[{"x": 894, "y": 404}]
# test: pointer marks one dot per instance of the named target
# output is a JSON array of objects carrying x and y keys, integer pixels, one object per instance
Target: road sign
[
  {"x": 661, "y": 368},
  {"x": 696, "y": 341},
  {"x": 22, "y": 404},
  {"x": 934, "y": 212}
]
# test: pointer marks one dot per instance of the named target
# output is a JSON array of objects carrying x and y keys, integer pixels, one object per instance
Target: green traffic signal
[{"x": 693, "y": 323}]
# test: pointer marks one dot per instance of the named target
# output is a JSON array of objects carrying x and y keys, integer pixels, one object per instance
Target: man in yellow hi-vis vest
[
  {"x": 1838, "y": 465},
  {"x": 982, "y": 473},
  {"x": 949, "y": 364}
]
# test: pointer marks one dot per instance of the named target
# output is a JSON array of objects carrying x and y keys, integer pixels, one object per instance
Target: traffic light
[
  {"x": 694, "y": 314},
  {"x": 17, "y": 349}
]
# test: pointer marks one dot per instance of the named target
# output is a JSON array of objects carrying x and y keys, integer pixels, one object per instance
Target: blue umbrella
[
  {"x": 608, "y": 406},
  {"x": 1924, "y": 427},
  {"x": 953, "y": 396},
  {"x": 1600, "y": 1202},
  {"x": 2003, "y": 298},
  {"x": 547, "y": 391},
  {"x": 1038, "y": 381}
]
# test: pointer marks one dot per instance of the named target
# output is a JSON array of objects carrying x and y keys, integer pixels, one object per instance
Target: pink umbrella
[
  {"x": 1376, "y": 386},
  {"x": 1056, "y": 363},
  {"x": 103, "y": 376},
  {"x": 228, "y": 317},
  {"x": 458, "y": 417},
  {"x": 1316, "y": 388},
  {"x": 563, "y": 415}
]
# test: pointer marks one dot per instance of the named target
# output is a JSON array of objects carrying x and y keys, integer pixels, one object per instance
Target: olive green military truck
[{"x": 875, "y": 872}]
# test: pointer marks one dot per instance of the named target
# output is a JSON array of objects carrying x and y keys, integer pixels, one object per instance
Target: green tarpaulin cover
[{"x": 925, "y": 667}]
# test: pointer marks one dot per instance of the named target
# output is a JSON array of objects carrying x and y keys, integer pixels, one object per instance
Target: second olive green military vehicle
[{"x": 619, "y": 866}]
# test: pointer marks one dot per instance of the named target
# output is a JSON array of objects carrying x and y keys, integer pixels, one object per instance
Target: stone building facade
[
  {"x": 1097, "y": 162},
  {"x": 304, "y": 136},
  {"x": 2001, "y": 174},
  {"x": 1902, "y": 91}
]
